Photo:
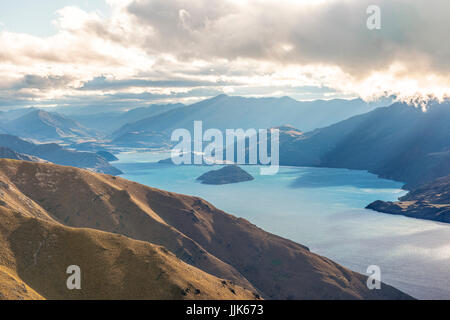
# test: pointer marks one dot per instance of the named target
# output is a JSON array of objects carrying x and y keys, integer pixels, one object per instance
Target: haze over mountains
[
  {"x": 111, "y": 121},
  {"x": 399, "y": 142},
  {"x": 42, "y": 125},
  {"x": 6, "y": 153},
  {"x": 54, "y": 153},
  {"x": 37, "y": 244},
  {"x": 151, "y": 126},
  {"x": 93, "y": 92},
  {"x": 231, "y": 112}
]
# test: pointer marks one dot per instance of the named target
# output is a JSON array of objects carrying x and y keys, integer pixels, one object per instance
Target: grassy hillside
[
  {"x": 34, "y": 256},
  {"x": 195, "y": 231}
]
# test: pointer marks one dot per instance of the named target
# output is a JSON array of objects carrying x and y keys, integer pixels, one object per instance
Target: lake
[{"x": 322, "y": 208}]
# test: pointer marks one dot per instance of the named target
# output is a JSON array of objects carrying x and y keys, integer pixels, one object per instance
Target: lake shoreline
[{"x": 322, "y": 208}]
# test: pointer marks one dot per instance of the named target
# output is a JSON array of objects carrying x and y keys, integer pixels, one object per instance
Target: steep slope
[
  {"x": 13, "y": 288},
  {"x": 226, "y": 112},
  {"x": 42, "y": 125},
  {"x": 35, "y": 254},
  {"x": 225, "y": 175},
  {"x": 107, "y": 155},
  {"x": 194, "y": 230},
  {"x": 7, "y": 153},
  {"x": 288, "y": 138},
  {"x": 399, "y": 142},
  {"x": 57, "y": 154},
  {"x": 430, "y": 201},
  {"x": 13, "y": 114}
]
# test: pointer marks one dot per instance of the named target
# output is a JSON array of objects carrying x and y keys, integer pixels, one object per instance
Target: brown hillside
[
  {"x": 430, "y": 201},
  {"x": 13, "y": 288},
  {"x": 35, "y": 254},
  {"x": 194, "y": 230}
]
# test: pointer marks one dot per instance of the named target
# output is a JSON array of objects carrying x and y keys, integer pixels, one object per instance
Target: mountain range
[
  {"x": 107, "y": 122},
  {"x": 43, "y": 126},
  {"x": 6, "y": 153},
  {"x": 142, "y": 243},
  {"x": 56, "y": 154},
  {"x": 398, "y": 142},
  {"x": 233, "y": 112},
  {"x": 145, "y": 243},
  {"x": 152, "y": 126}
]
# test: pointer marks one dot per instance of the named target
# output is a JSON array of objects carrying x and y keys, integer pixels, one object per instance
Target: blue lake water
[{"x": 323, "y": 209}]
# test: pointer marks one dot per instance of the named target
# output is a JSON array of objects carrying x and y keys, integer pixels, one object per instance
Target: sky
[
  {"x": 35, "y": 17},
  {"x": 139, "y": 52}
]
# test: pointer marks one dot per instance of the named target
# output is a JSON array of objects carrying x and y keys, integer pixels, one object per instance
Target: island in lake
[
  {"x": 430, "y": 201},
  {"x": 225, "y": 175}
]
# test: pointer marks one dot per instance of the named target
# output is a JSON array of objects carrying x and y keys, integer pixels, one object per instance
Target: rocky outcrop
[
  {"x": 7, "y": 153},
  {"x": 56, "y": 154},
  {"x": 431, "y": 202}
]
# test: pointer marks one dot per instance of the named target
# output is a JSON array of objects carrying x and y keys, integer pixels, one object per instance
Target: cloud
[
  {"x": 184, "y": 49},
  {"x": 31, "y": 81},
  {"x": 291, "y": 32},
  {"x": 102, "y": 83},
  {"x": 408, "y": 55}
]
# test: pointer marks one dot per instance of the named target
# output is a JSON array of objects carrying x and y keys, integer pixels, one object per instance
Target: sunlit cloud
[{"x": 160, "y": 49}]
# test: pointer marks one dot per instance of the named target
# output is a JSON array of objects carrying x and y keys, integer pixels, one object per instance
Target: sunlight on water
[{"x": 323, "y": 209}]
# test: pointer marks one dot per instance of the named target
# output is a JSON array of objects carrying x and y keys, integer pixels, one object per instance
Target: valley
[
  {"x": 120, "y": 222},
  {"x": 322, "y": 208},
  {"x": 228, "y": 153},
  {"x": 318, "y": 197}
]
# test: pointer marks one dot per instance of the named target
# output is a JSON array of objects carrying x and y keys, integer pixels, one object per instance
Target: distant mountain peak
[
  {"x": 221, "y": 96},
  {"x": 289, "y": 130},
  {"x": 228, "y": 256},
  {"x": 233, "y": 112},
  {"x": 42, "y": 125}
]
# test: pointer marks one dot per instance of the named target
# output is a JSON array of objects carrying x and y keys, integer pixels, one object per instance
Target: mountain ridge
[
  {"x": 430, "y": 201},
  {"x": 195, "y": 231},
  {"x": 42, "y": 125},
  {"x": 113, "y": 266},
  {"x": 55, "y": 153},
  {"x": 398, "y": 142},
  {"x": 233, "y": 112}
]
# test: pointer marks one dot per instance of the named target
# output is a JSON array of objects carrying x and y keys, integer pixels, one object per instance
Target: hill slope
[
  {"x": 42, "y": 125},
  {"x": 398, "y": 142},
  {"x": 7, "y": 153},
  {"x": 107, "y": 122},
  {"x": 57, "y": 154},
  {"x": 228, "y": 112},
  {"x": 195, "y": 231},
  {"x": 35, "y": 254},
  {"x": 430, "y": 201}
]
